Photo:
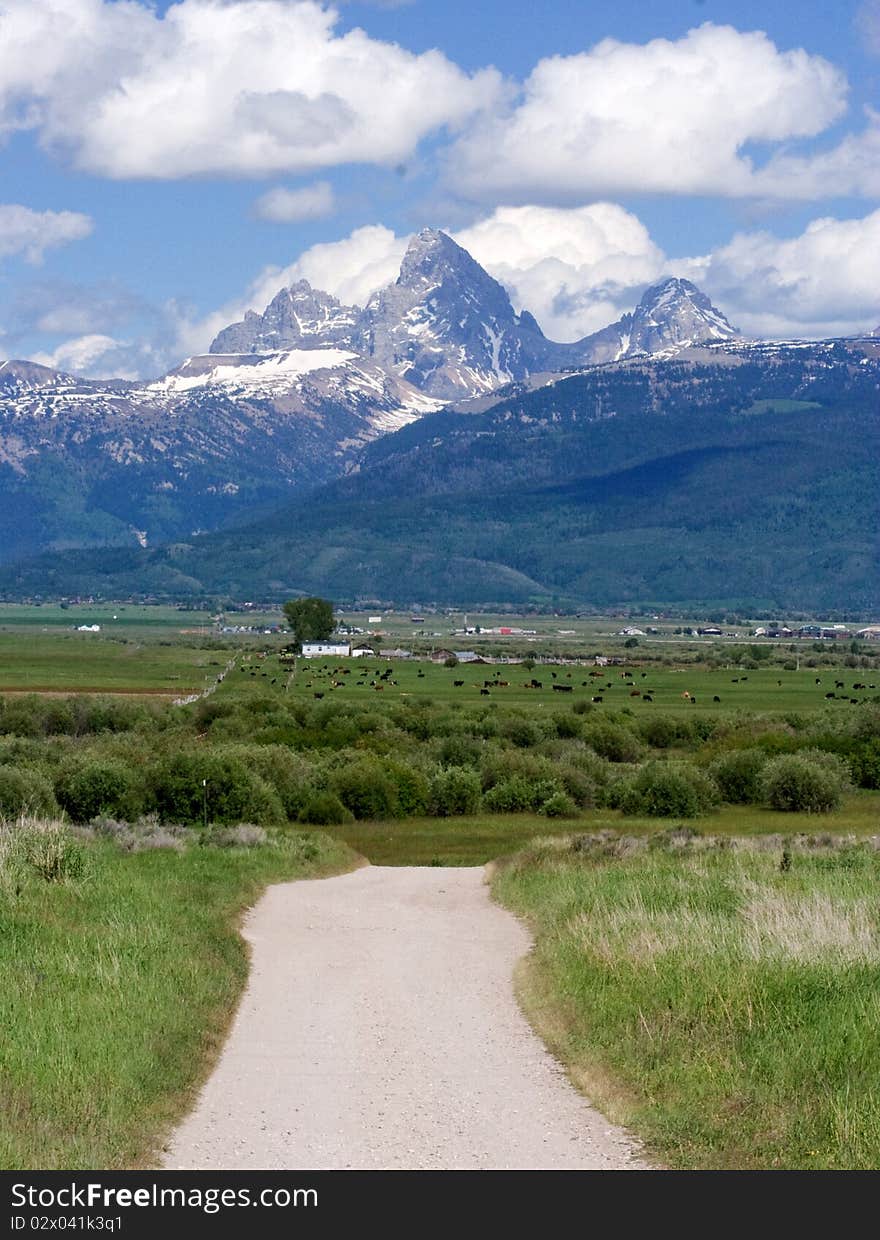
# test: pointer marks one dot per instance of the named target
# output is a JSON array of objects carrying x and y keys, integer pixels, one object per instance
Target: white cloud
[
  {"x": 852, "y": 167},
  {"x": 81, "y": 353},
  {"x": 234, "y": 87},
  {"x": 576, "y": 270},
  {"x": 661, "y": 117},
  {"x": 30, "y": 233},
  {"x": 286, "y": 206},
  {"x": 350, "y": 269},
  {"x": 824, "y": 282}
]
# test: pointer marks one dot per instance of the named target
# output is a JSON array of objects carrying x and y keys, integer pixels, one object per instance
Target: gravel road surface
[{"x": 379, "y": 1029}]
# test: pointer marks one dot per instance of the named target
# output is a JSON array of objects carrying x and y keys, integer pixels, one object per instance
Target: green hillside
[{"x": 661, "y": 483}]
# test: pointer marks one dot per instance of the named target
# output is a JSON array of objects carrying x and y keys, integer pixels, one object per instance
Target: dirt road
[{"x": 379, "y": 1030}]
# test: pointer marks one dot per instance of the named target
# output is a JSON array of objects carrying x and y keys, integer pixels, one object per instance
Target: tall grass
[
  {"x": 720, "y": 998},
  {"x": 119, "y": 971}
]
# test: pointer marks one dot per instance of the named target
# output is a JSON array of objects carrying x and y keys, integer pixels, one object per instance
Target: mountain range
[{"x": 434, "y": 444}]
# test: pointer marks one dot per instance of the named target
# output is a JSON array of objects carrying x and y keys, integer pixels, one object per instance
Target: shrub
[
  {"x": 738, "y": 775},
  {"x": 612, "y": 741},
  {"x": 659, "y": 731},
  {"x": 412, "y": 788},
  {"x": 568, "y": 727},
  {"x": 521, "y": 732},
  {"x": 245, "y": 835},
  {"x": 88, "y": 787},
  {"x": 864, "y": 762},
  {"x": 324, "y": 809},
  {"x": 511, "y": 797},
  {"x": 366, "y": 790},
  {"x": 800, "y": 783},
  {"x": 665, "y": 790},
  {"x": 560, "y": 805},
  {"x": 578, "y": 785},
  {"x": 232, "y": 792},
  {"x": 291, "y": 774},
  {"x": 454, "y": 790},
  {"x": 23, "y": 791},
  {"x": 459, "y": 751}
]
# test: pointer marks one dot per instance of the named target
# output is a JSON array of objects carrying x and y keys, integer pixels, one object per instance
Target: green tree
[{"x": 310, "y": 619}]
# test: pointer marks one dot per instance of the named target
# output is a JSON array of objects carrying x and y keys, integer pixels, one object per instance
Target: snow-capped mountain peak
[
  {"x": 296, "y": 317},
  {"x": 676, "y": 313}
]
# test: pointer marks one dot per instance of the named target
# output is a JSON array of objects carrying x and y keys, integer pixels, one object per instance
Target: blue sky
[{"x": 167, "y": 166}]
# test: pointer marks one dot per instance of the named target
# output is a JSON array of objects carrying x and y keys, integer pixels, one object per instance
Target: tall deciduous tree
[{"x": 310, "y": 619}]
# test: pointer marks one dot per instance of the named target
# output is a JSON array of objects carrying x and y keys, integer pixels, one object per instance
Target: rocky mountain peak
[
  {"x": 447, "y": 327},
  {"x": 297, "y": 317},
  {"x": 675, "y": 312},
  {"x": 445, "y": 324}
]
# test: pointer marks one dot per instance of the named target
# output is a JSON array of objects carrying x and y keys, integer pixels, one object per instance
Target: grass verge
[
  {"x": 722, "y": 1003},
  {"x": 117, "y": 986}
]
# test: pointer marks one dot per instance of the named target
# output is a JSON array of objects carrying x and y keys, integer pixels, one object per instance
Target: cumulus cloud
[
  {"x": 852, "y": 167},
  {"x": 661, "y": 117},
  {"x": 30, "y": 233},
  {"x": 86, "y": 355},
  {"x": 823, "y": 282},
  {"x": 576, "y": 270},
  {"x": 286, "y": 206},
  {"x": 232, "y": 87}
]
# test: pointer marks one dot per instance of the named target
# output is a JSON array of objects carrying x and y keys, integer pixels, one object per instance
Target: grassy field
[
  {"x": 117, "y": 988},
  {"x": 88, "y": 663},
  {"x": 763, "y": 691},
  {"x": 129, "y": 619},
  {"x": 481, "y": 838},
  {"x": 722, "y": 1005}
]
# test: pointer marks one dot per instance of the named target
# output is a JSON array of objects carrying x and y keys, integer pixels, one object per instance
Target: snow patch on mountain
[{"x": 253, "y": 373}]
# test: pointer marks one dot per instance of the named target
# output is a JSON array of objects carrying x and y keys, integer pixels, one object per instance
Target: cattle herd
[{"x": 326, "y": 677}]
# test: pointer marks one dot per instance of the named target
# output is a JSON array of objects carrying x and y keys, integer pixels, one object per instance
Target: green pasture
[
  {"x": 88, "y": 662},
  {"x": 770, "y": 690}
]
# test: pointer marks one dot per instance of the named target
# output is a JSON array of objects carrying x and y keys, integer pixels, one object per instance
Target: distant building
[
  {"x": 331, "y": 650},
  {"x": 440, "y": 656},
  {"x": 362, "y": 652},
  {"x": 396, "y": 654},
  {"x": 870, "y": 634}
]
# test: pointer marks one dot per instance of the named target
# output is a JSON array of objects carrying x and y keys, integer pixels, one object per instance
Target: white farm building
[{"x": 325, "y": 650}]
